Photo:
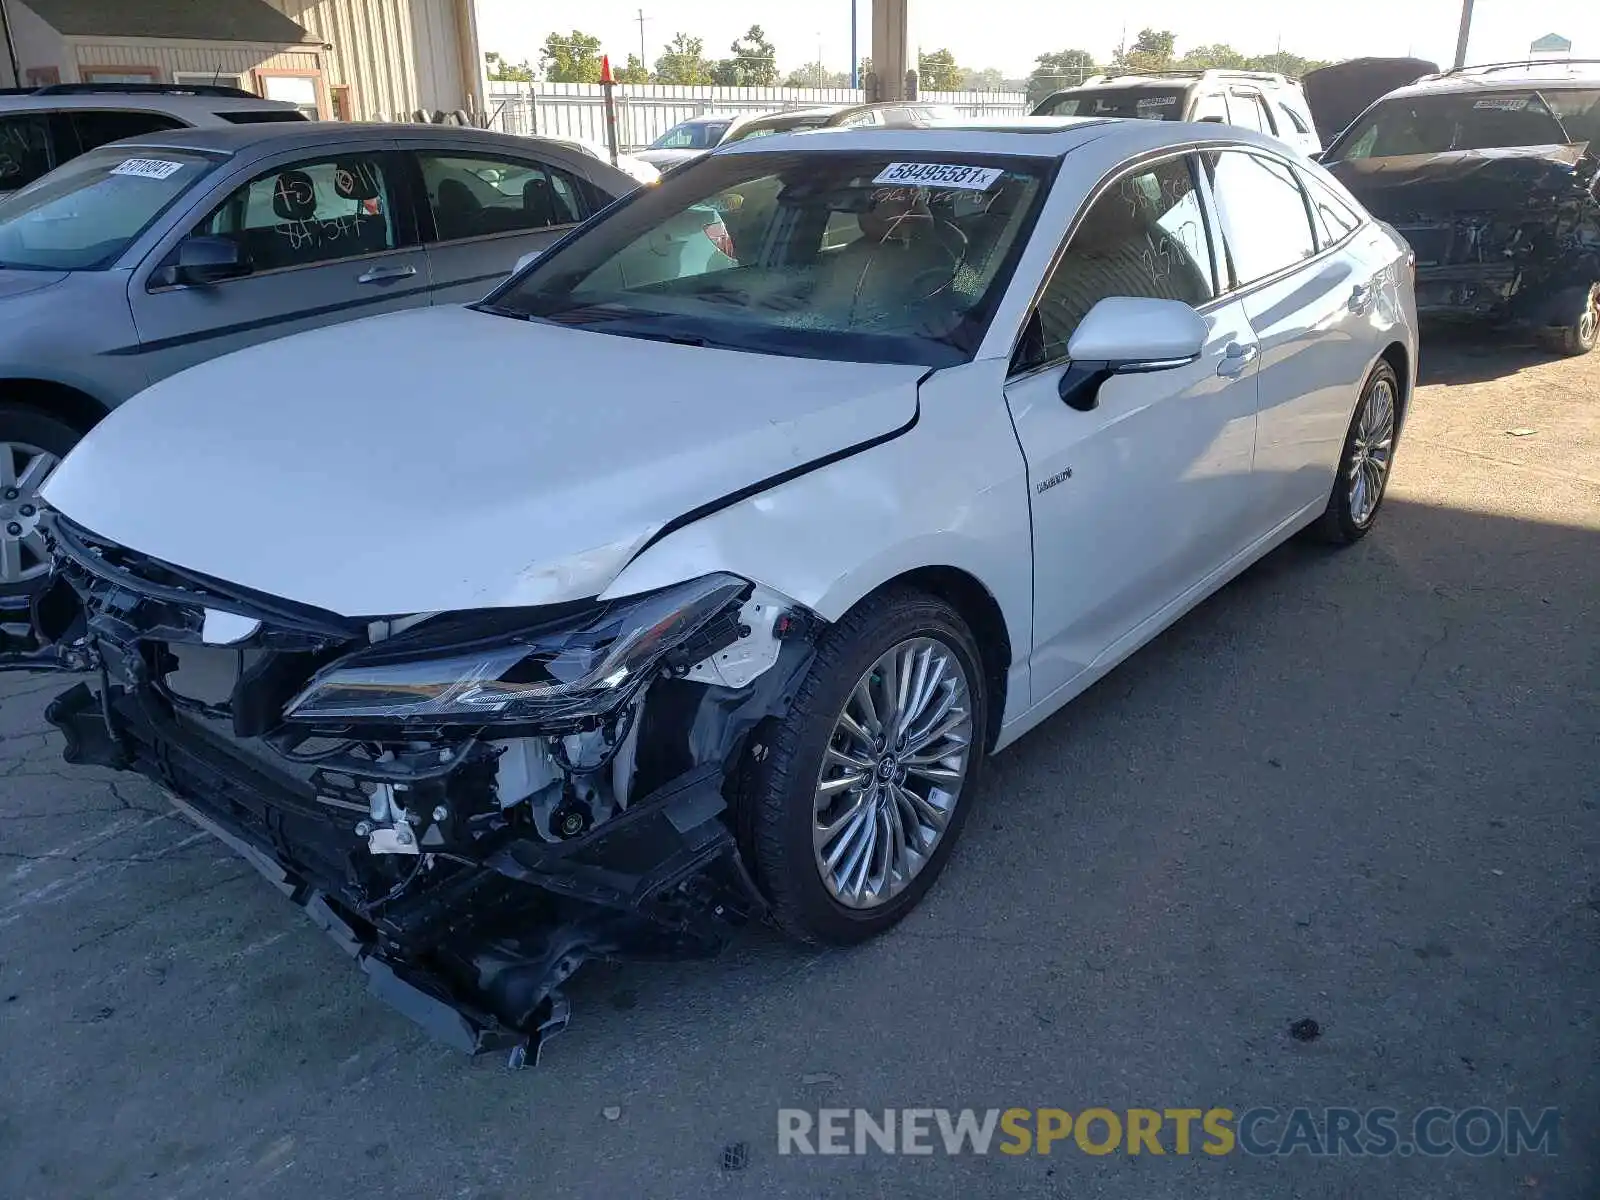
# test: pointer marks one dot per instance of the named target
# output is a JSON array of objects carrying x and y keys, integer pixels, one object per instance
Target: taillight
[{"x": 718, "y": 233}]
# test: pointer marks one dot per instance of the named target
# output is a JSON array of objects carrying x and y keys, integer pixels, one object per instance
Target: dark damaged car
[{"x": 1492, "y": 174}]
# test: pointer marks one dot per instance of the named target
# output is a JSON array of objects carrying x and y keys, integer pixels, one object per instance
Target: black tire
[
  {"x": 1583, "y": 334},
  {"x": 1337, "y": 526},
  {"x": 778, "y": 807},
  {"x": 21, "y": 425}
]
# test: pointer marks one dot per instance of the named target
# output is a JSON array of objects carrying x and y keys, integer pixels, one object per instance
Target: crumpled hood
[
  {"x": 20, "y": 283},
  {"x": 1435, "y": 185},
  {"x": 446, "y": 459}
]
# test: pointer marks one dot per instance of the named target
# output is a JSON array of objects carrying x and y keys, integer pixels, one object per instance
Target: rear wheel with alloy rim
[
  {"x": 1363, "y": 476},
  {"x": 865, "y": 784},
  {"x": 31, "y": 444}
]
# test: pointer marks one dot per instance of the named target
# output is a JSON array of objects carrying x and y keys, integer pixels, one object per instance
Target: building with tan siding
[{"x": 337, "y": 59}]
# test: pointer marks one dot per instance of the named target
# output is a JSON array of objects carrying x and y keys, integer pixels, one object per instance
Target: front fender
[{"x": 951, "y": 492}]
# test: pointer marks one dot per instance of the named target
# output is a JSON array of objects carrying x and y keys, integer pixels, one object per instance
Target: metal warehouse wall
[{"x": 396, "y": 56}]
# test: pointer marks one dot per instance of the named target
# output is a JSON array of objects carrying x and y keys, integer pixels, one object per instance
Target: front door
[
  {"x": 484, "y": 211},
  {"x": 1139, "y": 500},
  {"x": 329, "y": 239}
]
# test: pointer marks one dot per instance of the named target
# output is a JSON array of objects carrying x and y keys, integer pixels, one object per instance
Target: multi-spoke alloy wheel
[
  {"x": 853, "y": 799},
  {"x": 892, "y": 772},
  {"x": 23, "y": 555},
  {"x": 1373, "y": 450},
  {"x": 1367, "y": 459}
]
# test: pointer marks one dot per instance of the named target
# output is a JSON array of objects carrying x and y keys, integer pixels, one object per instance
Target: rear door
[
  {"x": 330, "y": 237},
  {"x": 1309, "y": 302},
  {"x": 481, "y": 210},
  {"x": 1145, "y": 496}
]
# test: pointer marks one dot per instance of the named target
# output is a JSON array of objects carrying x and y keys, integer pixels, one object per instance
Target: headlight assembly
[{"x": 586, "y": 666}]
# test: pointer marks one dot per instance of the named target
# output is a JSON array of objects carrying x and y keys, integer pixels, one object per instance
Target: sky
[{"x": 1008, "y": 33}]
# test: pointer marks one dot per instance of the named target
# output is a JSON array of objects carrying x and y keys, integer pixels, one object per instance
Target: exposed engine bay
[{"x": 472, "y": 804}]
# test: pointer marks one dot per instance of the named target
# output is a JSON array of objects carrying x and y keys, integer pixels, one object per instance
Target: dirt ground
[{"x": 1358, "y": 787}]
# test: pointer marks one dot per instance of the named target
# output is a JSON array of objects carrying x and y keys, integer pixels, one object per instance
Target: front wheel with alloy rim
[
  {"x": 31, "y": 444},
  {"x": 1363, "y": 476},
  {"x": 865, "y": 784}
]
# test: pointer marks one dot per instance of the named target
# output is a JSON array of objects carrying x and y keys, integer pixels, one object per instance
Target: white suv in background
[
  {"x": 41, "y": 128},
  {"x": 1269, "y": 103}
]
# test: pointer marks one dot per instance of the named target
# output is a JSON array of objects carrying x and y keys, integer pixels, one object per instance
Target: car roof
[
  {"x": 179, "y": 104},
  {"x": 1577, "y": 72},
  {"x": 1181, "y": 79},
  {"x": 1020, "y": 137},
  {"x": 272, "y": 136}
]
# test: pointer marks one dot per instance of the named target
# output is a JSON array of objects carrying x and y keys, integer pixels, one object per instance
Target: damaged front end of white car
[{"x": 471, "y": 803}]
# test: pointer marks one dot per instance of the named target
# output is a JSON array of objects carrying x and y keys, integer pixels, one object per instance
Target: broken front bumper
[
  {"x": 470, "y": 868},
  {"x": 476, "y": 958}
]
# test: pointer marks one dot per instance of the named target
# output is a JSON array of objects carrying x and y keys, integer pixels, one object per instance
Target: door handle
[
  {"x": 386, "y": 274},
  {"x": 1360, "y": 298},
  {"x": 1237, "y": 357}
]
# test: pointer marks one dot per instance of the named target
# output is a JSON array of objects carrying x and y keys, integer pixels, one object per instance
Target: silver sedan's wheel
[
  {"x": 892, "y": 773},
  {"x": 23, "y": 470},
  {"x": 1373, "y": 451}
]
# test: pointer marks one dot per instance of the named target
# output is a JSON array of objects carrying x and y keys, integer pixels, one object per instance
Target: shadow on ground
[{"x": 1354, "y": 786}]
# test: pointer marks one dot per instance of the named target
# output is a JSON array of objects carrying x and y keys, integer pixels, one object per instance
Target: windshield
[
  {"x": 84, "y": 215},
  {"x": 843, "y": 255},
  {"x": 1477, "y": 120},
  {"x": 691, "y": 135},
  {"x": 1143, "y": 103}
]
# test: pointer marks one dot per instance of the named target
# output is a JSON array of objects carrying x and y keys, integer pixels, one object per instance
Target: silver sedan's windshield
[
  {"x": 837, "y": 254},
  {"x": 84, "y": 215}
]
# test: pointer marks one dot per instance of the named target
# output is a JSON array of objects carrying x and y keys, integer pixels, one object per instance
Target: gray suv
[{"x": 147, "y": 256}]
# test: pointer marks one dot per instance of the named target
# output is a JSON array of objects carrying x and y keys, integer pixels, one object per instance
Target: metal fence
[{"x": 646, "y": 111}]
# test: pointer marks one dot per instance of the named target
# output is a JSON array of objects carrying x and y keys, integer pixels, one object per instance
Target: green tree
[
  {"x": 571, "y": 58},
  {"x": 683, "y": 61},
  {"x": 1063, "y": 69},
  {"x": 1151, "y": 51},
  {"x": 1282, "y": 61},
  {"x": 990, "y": 79},
  {"x": 809, "y": 75},
  {"x": 754, "y": 62},
  {"x": 497, "y": 68},
  {"x": 634, "y": 72},
  {"x": 1204, "y": 58},
  {"x": 937, "y": 72}
]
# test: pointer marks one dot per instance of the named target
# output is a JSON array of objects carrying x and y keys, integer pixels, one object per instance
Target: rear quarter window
[{"x": 260, "y": 116}]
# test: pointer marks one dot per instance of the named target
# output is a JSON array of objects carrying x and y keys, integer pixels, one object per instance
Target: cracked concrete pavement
[{"x": 1359, "y": 787}]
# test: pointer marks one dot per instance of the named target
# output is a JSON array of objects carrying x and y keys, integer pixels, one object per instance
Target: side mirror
[
  {"x": 205, "y": 259},
  {"x": 1128, "y": 335},
  {"x": 527, "y": 258}
]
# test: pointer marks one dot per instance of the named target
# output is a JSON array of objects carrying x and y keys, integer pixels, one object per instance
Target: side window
[
  {"x": 311, "y": 213},
  {"x": 1263, "y": 214},
  {"x": 1295, "y": 119},
  {"x": 1334, "y": 220},
  {"x": 1144, "y": 236},
  {"x": 1212, "y": 106},
  {"x": 474, "y": 196},
  {"x": 1250, "y": 111},
  {"x": 95, "y": 129},
  {"x": 24, "y": 151}
]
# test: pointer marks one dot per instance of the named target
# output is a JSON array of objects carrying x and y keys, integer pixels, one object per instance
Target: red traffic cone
[{"x": 605, "y": 69}]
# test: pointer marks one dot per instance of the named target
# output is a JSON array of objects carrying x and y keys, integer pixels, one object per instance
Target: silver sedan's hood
[
  {"x": 20, "y": 283},
  {"x": 448, "y": 459}
]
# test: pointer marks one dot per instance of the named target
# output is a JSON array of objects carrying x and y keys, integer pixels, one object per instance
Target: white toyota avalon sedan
[{"x": 693, "y": 575}]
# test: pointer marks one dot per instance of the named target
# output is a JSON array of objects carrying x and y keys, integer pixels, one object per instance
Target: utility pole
[
  {"x": 1465, "y": 34},
  {"x": 643, "y": 62},
  {"x": 855, "y": 58}
]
